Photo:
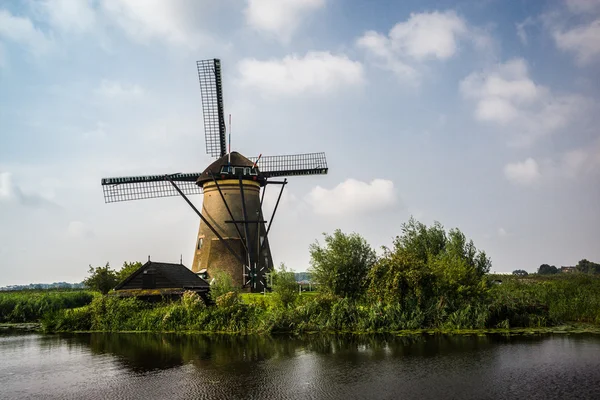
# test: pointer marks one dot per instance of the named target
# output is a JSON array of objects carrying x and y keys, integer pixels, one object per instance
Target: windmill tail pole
[
  {"x": 229, "y": 142},
  {"x": 257, "y": 160}
]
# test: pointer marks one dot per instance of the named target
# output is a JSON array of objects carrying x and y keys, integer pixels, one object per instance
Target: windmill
[{"x": 233, "y": 234}]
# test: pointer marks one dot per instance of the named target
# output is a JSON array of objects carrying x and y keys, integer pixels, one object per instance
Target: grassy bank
[
  {"x": 32, "y": 305},
  {"x": 526, "y": 303}
]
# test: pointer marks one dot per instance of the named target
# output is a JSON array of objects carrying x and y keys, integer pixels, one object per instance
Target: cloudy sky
[{"x": 482, "y": 115}]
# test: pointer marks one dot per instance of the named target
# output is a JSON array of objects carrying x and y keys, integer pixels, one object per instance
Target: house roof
[{"x": 178, "y": 274}]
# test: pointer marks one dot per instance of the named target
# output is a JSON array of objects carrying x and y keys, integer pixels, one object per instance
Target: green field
[{"x": 32, "y": 305}]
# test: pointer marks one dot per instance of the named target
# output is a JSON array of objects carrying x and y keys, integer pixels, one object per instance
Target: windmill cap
[{"x": 237, "y": 160}]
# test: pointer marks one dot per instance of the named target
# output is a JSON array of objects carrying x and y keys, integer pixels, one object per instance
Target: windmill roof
[
  {"x": 237, "y": 160},
  {"x": 177, "y": 275}
]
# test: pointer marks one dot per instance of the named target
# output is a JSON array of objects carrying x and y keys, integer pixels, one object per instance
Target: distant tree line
[
  {"x": 44, "y": 286},
  {"x": 583, "y": 266}
]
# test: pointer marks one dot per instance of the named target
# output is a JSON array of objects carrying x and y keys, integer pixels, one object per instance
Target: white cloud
[
  {"x": 578, "y": 162},
  {"x": 78, "y": 229},
  {"x": 502, "y": 232},
  {"x": 583, "y": 41},
  {"x": 316, "y": 72},
  {"x": 10, "y": 192},
  {"x": 22, "y": 31},
  {"x": 506, "y": 95},
  {"x": 422, "y": 37},
  {"x": 115, "y": 89},
  {"x": 521, "y": 29},
  {"x": 279, "y": 17},
  {"x": 69, "y": 15},
  {"x": 145, "y": 20},
  {"x": 523, "y": 173},
  {"x": 583, "y": 6},
  {"x": 352, "y": 196}
]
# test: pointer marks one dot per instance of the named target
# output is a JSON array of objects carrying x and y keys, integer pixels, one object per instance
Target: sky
[{"x": 482, "y": 115}]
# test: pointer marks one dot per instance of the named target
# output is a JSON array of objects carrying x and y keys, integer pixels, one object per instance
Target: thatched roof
[
  {"x": 237, "y": 160},
  {"x": 167, "y": 276}
]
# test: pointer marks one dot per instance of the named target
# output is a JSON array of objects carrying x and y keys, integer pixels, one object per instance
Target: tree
[
  {"x": 127, "y": 269},
  {"x": 429, "y": 266},
  {"x": 285, "y": 286},
  {"x": 588, "y": 267},
  {"x": 101, "y": 279},
  {"x": 341, "y": 266},
  {"x": 220, "y": 284},
  {"x": 546, "y": 269},
  {"x": 520, "y": 272}
]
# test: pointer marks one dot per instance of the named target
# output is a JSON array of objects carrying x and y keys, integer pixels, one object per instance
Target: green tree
[
  {"x": 546, "y": 269},
  {"x": 101, "y": 279},
  {"x": 588, "y": 267},
  {"x": 285, "y": 286},
  {"x": 127, "y": 269},
  {"x": 221, "y": 283},
  {"x": 520, "y": 272},
  {"x": 429, "y": 266},
  {"x": 341, "y": 266}
]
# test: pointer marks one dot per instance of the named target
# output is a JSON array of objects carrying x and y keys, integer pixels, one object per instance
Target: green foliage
[
  {"x": 525, "y": 302},
  {"x": 588, "y": 267},
  {"x": 429, "y": 268},
  {"x": 228, "y": 300},
  {"x": 101, "y": 279},
  {"x": 341, "y": 266},
  {"x": 430, "y": 279},
  {"x": 285, "y": 286},
  {"x": 31, "y": 306},
  {"x": 520, "y": 272},
  {"x": 220, "y": 284},
  {"x": 127, "y": 269},
  {"x": 546, "y": 269}
]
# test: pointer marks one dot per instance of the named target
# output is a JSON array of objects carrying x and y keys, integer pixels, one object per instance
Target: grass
[
  {"x": 520, "y": 305},
  {"x": 32, "y": 305}
]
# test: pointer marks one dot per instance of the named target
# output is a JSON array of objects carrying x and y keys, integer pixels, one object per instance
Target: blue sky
[{"x": 482, "y": 115}]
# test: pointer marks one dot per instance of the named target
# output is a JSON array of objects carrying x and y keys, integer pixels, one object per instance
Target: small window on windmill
[
  {"x": 262, "y": 239},
  {"x": 200, "y": 241},
  {"x": 238, "y": 170},
  {"x": 253, "y": 171}
]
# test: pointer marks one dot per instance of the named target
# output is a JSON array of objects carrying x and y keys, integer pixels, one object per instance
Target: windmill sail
[
  {"x": 148, "y": 187},
  {"x": 292, "y": 165},
  {"x": 211, "y": 92}
]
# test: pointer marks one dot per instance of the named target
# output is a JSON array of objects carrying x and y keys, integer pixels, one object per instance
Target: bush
[
  {"x": 221, "y": 284},
  {"x": 285, "y": 286},
  {"x": 341, "y": 266}
]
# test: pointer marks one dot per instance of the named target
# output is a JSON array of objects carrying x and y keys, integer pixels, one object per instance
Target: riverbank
[
  {"x": 519, "y": 305},
  {"x": 527, "y": 304}
]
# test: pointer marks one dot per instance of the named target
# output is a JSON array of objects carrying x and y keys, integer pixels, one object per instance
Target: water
[{"x": 154, "y": 366}]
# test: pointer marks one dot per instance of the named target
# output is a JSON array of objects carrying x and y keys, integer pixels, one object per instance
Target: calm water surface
[{"x": 154, "y": 366}]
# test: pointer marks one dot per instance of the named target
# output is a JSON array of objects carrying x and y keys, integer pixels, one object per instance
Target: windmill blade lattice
[
  {"x": 148, "y": 187},
  {"x": 292, "y": 164},
  {"x": 211, "y": 92}
]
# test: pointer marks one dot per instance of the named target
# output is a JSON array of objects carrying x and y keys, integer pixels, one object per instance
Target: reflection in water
[{"x": 102, "y": 365}]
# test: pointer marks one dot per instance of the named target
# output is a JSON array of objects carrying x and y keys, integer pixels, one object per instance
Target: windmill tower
[{"x": 233, "y": 234}]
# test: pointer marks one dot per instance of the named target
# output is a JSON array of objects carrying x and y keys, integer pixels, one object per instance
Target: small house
[{"x": 157, "y": 279}]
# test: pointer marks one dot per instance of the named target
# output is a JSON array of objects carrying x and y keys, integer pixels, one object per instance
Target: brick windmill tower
[{"x": 233, "y": 234}]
